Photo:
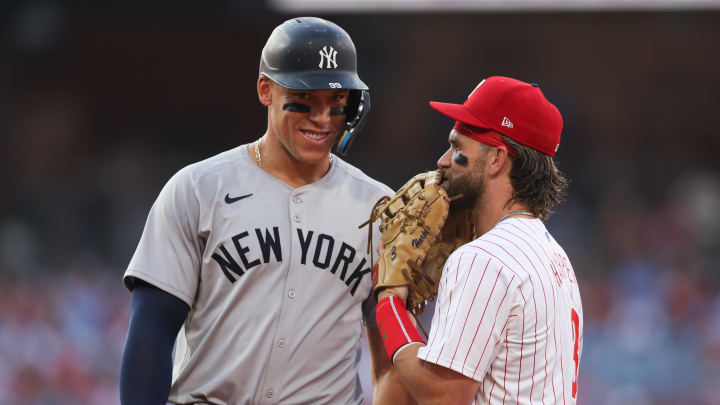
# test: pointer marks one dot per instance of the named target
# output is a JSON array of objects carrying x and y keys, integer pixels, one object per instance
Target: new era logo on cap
[{"x": 496, "y": 98}]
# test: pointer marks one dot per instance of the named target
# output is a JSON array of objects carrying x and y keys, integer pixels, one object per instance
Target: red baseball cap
[{"x": 513, "y": 108}]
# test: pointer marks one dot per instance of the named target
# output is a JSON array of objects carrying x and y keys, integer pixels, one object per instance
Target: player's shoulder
[
  {"x": 227, "y": 160},
  {"x": 499, "y": 249},
  {"x": 480, "y": 263},
  {"x": 211, "y": 167},
  {"x": 515, "y": 233},
  {"x": 356, "y": 176}
]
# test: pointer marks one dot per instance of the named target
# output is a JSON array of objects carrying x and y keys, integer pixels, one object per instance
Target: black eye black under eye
[
  {"x": 296, "y": 107},
  {"x": 337, "y": 110},
  {"x": 304, "y": 108},
  {"x": 459, "y": 158}
]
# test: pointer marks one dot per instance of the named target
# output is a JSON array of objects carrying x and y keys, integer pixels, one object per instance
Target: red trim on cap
[{"x": 483, "y": 135}]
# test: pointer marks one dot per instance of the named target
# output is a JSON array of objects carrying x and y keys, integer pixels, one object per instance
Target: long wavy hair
[{"x": 535, "y": 180}]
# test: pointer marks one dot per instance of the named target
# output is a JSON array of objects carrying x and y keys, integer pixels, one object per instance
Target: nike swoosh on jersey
[{"x": 230, "y": 200}]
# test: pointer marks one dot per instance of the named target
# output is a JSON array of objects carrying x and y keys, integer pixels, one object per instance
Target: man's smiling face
[{"x": 306, "y": 122}]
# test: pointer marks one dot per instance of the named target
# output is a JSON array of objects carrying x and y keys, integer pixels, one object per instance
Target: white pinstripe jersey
[{"x": 508, "y": 314}]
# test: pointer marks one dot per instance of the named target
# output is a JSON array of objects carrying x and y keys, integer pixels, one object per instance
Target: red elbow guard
[{"x": 396, "y": 328}]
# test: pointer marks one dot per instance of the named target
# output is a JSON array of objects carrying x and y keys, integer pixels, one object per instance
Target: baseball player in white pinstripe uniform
[{"x": 508, "y": 321}]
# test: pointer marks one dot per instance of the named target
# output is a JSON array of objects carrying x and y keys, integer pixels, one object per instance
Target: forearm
[
  {"x": 146, "y": 369},
  {"x": 400, "y": 344},
  {"x": 420, "y": 382},
  {"x": 387, "y": 388},
  {"x": 426, "y": 382}
]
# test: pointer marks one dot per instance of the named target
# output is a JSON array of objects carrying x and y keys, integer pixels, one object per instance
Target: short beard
[{"x": 470, "y": 185}]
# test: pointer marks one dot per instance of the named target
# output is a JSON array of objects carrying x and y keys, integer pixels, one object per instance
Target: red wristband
[{"x": 395, "y": 326}]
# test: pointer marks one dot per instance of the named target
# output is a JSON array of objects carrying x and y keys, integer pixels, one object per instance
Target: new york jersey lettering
[{"x": 323, "y": 255}]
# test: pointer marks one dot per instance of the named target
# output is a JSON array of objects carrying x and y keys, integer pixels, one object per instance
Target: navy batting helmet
[{"x": 309, "y": 53}]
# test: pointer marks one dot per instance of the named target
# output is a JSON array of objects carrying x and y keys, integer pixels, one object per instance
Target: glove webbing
[{"x": 374, "y": 215}]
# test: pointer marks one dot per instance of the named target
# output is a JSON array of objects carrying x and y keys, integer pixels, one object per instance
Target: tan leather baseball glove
[{"x": 418, "y": 235}]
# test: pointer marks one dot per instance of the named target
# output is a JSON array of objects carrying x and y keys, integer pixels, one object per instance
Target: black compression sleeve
[{"x": 146, "y": 370}]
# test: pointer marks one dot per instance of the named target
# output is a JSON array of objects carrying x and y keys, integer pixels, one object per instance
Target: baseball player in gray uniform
[{"x": 251, "y": 262}]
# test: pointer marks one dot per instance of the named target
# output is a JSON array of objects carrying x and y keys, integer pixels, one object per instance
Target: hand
[{"x": 400, "y": 292}]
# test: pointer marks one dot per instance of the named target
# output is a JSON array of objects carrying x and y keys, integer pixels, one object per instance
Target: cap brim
[
  {"x": 339, "y": 80},
  {"x": 458, "y": 112}
]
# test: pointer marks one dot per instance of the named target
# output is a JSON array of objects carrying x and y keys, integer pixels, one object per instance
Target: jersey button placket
[
  {"x": 269, "y": 393},
  {"x": 297, "y": 200},
  {"x": 281, "y": 343},
  {"x": 291, "y": 293}
]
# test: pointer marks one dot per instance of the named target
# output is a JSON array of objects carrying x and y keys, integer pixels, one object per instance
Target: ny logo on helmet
[{"x": 328, "y": 57}]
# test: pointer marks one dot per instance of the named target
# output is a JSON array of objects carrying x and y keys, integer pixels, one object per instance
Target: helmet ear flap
[{"x": 358, "y": 108}]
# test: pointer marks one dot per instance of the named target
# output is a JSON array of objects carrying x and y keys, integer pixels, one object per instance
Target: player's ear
[
  {"x": 264, "y": 89},
  {"x": 497, "y": 160}
]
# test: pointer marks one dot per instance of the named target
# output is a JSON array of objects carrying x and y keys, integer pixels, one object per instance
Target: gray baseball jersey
[{"x": 277, "y": 280}]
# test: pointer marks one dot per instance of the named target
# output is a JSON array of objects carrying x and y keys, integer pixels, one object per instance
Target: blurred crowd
[
  {"x": 652, "y": 315},
  {"x": 61, "y": 338}
]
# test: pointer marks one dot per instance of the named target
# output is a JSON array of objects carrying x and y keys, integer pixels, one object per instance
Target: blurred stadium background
[{"x": 101, "y": 104}]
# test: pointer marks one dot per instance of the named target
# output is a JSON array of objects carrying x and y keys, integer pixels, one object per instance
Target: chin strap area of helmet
[{"x": 358, "y": 110}]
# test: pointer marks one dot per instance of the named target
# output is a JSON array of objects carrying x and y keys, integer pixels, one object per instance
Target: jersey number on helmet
[{"x": 335, "y": 85}]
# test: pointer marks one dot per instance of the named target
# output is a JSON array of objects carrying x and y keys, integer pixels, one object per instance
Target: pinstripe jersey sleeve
[{"x": 476, "y": 303}]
